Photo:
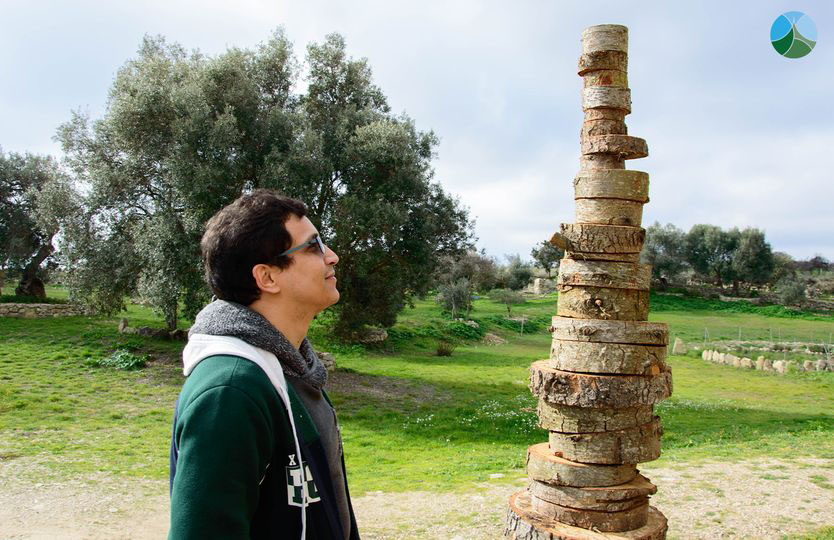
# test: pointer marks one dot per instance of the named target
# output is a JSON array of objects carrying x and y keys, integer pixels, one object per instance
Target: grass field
[{"x": 410, "y": 419}]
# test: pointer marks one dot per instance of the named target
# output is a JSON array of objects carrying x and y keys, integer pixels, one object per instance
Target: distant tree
[
  {"x": 26, "y": 233},
  {"x": 456, "y": 297},
  {"x": 185, "y": 134},
  {"x": 665, "y": 250},
  {"x": 516, "y": 274},
  {"x": 477, "y": 268},
  {"x": 818, "y": 263},
  {"x": 753, "y": 260},
  {"x": 709, "y": 250},
  {"x": 547, "y": 256},
  {"x": 783, "y": 266},
  {"x": 791, "y": 291},
  {"x": 508, "y": 297}
]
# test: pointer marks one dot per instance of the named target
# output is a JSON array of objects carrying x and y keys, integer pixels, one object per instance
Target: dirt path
[{"x": 753, "y": 499}]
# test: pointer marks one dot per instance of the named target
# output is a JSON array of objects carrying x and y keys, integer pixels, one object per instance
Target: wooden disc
[
  {"x": 591, "y": 128},
  {"x": 593, "y": 61},
  {"x": 603, "y": 257},
  {"x": 609, "y": 212},
  {"x": 618, "y": 358},
  {"x": 608, "y": 97},
  {"x": 630, "y": 332},
  {"x": 633, "y": 445},
  {"x": 566, "y": 419},
  {"x": 589, "y": 238},
  {"x": 545, "y": 466},
  {"x": 523, "y": 523},
  {"x": 608, "y": 304},
  {"x": 606, "y": 77},
  {"x": 615, "y": 184},
  {"x": 605, "y": 274},
  {"x": 605, "y": 499},
  {"x": 604, "y": 114},
  {"x": 624, "y": 146},
  {"x": 598, "y": 391},
  {"x": 625, "y": 520},
  {"x": 597, "y": 162},
  {"x": 605, "y": 37}
]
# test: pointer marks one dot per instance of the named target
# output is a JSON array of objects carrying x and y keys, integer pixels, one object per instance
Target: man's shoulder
[{"x": 228, "y": 371}]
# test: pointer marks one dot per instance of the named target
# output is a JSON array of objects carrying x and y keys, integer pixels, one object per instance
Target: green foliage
[
  {"x": 477, "y": 268},
  {"x": 709, "y": 250},
  {"x": 445, "y": 347},
  {"x": 28, "y": 184},
  {"x": 791, "y": 291},
  {"x": 456, "y": 297},
  {"x": 547, "y": 256},
  {"x": 516, "y": 274},
  {"x": 185, "y": 134},
  {"x": 664, "y": 249},
  {"x": 122, "y": 359},
  {"x": 532, "y": 325},
  {"x": 753, "y": 259}
]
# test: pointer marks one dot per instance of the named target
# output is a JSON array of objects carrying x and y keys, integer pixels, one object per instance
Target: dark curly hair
[{"x": 249, "y": 231}]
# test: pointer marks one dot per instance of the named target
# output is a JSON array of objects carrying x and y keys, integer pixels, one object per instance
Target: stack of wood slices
[{"x": 607, "y": 365}]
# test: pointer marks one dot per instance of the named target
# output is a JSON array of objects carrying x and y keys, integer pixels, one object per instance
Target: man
[{"x": 256, "y": 450}]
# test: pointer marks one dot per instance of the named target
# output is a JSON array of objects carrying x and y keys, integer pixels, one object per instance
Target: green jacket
[{"x": 235, "y": 470}]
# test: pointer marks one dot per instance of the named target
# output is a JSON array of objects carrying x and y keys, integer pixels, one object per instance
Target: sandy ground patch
[{"x": 752, "y": 499}]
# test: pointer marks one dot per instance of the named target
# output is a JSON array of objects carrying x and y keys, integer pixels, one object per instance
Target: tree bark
[
  {"x": 583, "y": 302},
  {"x": 633, "y": 445},
  {"x": 605, "y": 274},
  {"x": 588, "y": 240},
  {"x": 612, "y": 184},
  {"x": 624, "y": 146},
  {"x": 610, "y": 358},
  {"x": 597, "y": 60},
  {"x": 30, "y": 284},
  {"x": 545, "y": 466},
  {"x": 630, "y": 332},
  {"x": 583, "y": 420},
  {"x": 598, "y": 391},
  {"x": 605, "y": 499},
  {"x": 524, "y": 524},
  {"x": 609, "y": 212},
  {"x": 606, "y": 97}
]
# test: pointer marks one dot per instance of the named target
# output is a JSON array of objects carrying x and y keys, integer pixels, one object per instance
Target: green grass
[
  {"x": 826, "y": 533},
  {"x": 410, "y": 419}
]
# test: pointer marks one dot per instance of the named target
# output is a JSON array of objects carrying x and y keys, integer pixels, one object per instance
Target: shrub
[
  {"x": 122, "y": 359},
  {"x": 790, "y": 291},
  {"x": 445, "y": 347}
]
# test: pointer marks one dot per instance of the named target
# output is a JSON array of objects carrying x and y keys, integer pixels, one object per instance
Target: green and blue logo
[{"x": 793, "y": 34}]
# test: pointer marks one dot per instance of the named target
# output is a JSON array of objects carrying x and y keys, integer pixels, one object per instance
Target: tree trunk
[{"x": 30, "y": 284}]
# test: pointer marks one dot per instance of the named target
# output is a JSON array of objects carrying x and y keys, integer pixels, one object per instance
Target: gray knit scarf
[{"x": 222, "y": 318}]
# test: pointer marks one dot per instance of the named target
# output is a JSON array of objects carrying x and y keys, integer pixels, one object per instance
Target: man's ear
[{"x": 265, "y": 278}]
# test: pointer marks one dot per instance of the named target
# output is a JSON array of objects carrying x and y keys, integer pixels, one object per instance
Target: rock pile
[
  {"x": 607, "y": 366},
  {"x": 40, "y": 311},
  {"x": 763, "y": 364}
]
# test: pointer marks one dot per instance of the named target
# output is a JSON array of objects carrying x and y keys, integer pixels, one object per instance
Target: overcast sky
[{"x": 738, "y": 135}]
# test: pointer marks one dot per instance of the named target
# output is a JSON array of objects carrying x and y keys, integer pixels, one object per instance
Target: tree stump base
[{"x": 525, "y": 524}]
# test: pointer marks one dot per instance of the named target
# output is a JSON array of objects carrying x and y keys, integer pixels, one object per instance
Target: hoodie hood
[{"x": 221, "y": 318}]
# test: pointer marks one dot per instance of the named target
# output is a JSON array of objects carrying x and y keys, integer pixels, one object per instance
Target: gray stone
[
  {"x": 679, "y": 347},
  {"x": 760, "y": 363},
  {"x": 768, "y": 365},
  {"x": 808, "y": 365},
  {"x": 122, "y": 325},
  {"x": 822, "y": 365},
  {"x": 779, "y": 367},
  {"x": 746, "y": 363}
]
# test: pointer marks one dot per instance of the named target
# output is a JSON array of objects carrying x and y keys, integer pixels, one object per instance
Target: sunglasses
[{"x": 315, "y": 240}]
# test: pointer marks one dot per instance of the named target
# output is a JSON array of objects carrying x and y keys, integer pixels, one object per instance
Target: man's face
[{"x": 309, "y": 283}]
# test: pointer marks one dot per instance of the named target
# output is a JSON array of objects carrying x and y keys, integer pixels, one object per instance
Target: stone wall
[{"x": 40, "y": 311}]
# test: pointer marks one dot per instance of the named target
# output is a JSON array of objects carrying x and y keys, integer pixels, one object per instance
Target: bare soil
[{"x": 751, "y": 499}]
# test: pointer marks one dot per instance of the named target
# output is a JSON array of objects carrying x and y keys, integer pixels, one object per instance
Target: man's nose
[{"x": 330, "y": 256}]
